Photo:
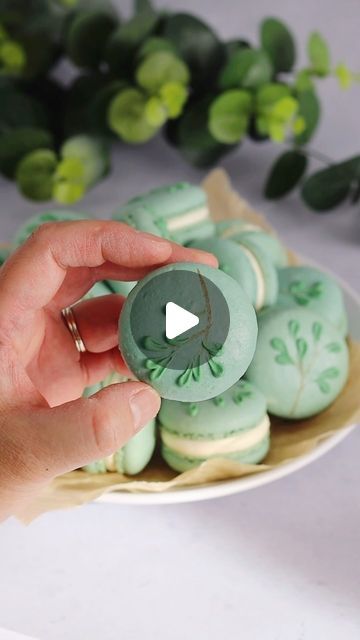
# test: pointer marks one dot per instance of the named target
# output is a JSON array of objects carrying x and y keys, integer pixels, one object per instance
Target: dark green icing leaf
[
  {"x": 216, "y": 368},
  {"x": 294, "y": 327},
  {"x": 184, "y": 378}
]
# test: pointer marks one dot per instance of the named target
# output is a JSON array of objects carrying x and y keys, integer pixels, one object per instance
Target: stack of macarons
[{"x": 285, "y": 353}]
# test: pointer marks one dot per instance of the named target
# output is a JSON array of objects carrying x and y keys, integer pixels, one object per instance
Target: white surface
[
  {"x": 178, "y": 320},
  {"x": 278, "y": 563},
  {"x": 5, "y": 634}
]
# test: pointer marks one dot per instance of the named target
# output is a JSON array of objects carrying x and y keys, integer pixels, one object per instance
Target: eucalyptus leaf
[
  {"x": 247, "y": 68},
  {"x": 87, "y": 36},
  {"x": 127, "y": 117},
  {"x": 319, "y": 54},
  {"x": 198, "y": 45},
  {"x": 285, "y": 174},
  {"x": 309, "y": 109},
  {"x": 329, "y": 187},
  {"x": 15, "y": 144},
  {"x": 126, "y": 39},
  {"x": 229, "y": 116},
  {"x": 279, "y": 44},
  {"x": 35, "y": 174},
  {"x": 160, "y": 68}
]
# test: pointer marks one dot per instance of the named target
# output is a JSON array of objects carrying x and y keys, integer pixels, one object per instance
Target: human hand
[{"x": 46, "y": 428}]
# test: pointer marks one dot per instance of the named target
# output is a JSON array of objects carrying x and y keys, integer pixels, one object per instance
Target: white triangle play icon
[{"x": 178, "y": 320}]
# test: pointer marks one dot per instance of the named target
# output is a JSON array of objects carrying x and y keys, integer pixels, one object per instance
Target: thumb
[{"x": 77, "y": 433}]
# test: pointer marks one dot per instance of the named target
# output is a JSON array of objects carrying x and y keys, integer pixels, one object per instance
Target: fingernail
[{"x": 144, "y": 406}]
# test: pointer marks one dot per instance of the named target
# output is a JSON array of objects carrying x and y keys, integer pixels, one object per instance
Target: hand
[{"x": 46, "y": 428}]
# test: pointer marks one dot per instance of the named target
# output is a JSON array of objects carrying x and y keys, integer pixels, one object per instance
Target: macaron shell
[
  {"x": 233, "y": 261},
  {"x": 205, "y": 229},
  {"x": 268, "y": 242},
  {"x": 304, "y": 286},
  {"x": 300, "y": 363},
  {"x": 231, "y": 363},
  {"x": 138, "y": 451},
  {"x": 120, "y": 287},
  {"x": 238, "y": 409},
  {"x": 98, "y": 289},
  {"x": 171, "y": 200}
]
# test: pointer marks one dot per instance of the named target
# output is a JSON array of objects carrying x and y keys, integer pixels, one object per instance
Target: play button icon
[{"x": 178, "y": 320}]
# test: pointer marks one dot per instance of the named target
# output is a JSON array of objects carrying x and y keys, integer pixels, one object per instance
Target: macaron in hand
[
  {"x": 209, "y": 357},
  {"x": 233, "y": 425},
  {"x": 301, "y": 362},
  {"x": 308, "y": 287}
]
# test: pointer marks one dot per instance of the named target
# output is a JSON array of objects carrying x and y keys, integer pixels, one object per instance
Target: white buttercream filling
[
  {"x": 206, "y": 448},
  {"x": 260, "y": 280},
  {"x": 110, "y": 462},
  {"x": 187, "y": 219},
  {"x": 232, "y": 231}
]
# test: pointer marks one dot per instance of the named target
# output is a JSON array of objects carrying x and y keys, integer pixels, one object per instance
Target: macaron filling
[
  {"x": 260, "y": 280},
  {"x": 188, "y": 219},
  {"x": 206, "y": 448}
]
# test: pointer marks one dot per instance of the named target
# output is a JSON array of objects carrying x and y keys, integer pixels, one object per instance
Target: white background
[{"x": 279, "y": 563}]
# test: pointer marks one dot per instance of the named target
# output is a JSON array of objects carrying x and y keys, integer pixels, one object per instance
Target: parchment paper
[{"x": 289, "y": 439}]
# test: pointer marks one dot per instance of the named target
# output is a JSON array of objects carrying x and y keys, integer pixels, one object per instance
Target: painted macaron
[
  {"x": 233, "y": 425},
  {"x": 56, "y": 215},
  {"x": 266, "y": 241},
  {"x": 248, "y": 265},
  {"x": 178, "y": 211},
  {"x": 313, "y": 289},
  {"x": 203, "y": 361},
  {"x": 301, "y": 362}
]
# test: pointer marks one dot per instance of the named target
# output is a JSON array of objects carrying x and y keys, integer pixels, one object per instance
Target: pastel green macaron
[
  {"x": 233, "y": 425},
  {"x": 266, "y": 241},
  {"x": 178, "y": 211},
  {"x": 55, "y": 215},
  {"x": 313, "y": 289},
  {"x": 135, "y": 455},
  {"x": 301, "y": 362},
  {"x": 132, "y": 457},
  {"x": 205, "y": 360},
  {"x": 121, "y": 287}
]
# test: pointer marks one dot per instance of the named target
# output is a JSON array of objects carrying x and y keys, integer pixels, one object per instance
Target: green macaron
[
  {"x": 266, "y": 241},
  {"x": 178, "y": 211},
  {"x": 205, "y": 360},
  {"x": 132, "y": 457},
  {"x": 233, "y": 425},
  {"x": 121, "y": 287},
  {"x": 313, "y": 289},
  {"x": 56, "y": 215},
  {"x": 301, "y": 362}
]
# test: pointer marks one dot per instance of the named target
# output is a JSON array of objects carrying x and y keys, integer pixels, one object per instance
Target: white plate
[{"x": 227, "y": 487}]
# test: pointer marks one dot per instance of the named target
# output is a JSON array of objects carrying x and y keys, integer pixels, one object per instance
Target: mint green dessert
[
  {"x": 311, "y": 288},
  {"x": 204, "y": 361},
  {"x": 178, "y": 211},
  {"x": 301, "y": 362},
  {"x": 233, "y": 425},
  {"x": 132, "y": 457},
  {"x": 269, "y": 243},
  {"x": 121, "y": 287},
  {"x": 136, "y": 453}
]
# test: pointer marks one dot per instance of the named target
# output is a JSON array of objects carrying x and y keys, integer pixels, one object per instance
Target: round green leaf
[
  {"x": 247, "y": 68},
  {"x": 155, "y": 112},
  {"x": 91, "y": 153},
  {"x": 198, "y": 45},
  {"x": 309, "y": 109},
  {"x": 127, "y": 117},
  {"x": 329, "y": 187},
  {"x": 125, "y": 40},
  {"x": 15, "y": 144},
  {"x": 17, "y": 109},
  {"x": 12, "y": 56},
  {"x": 191, "y": 136},
  {"x": 160, "y": 68},
  {"x": 285, "y": 174},
  {"x": 35, "y": 174},
  {"x": 153, "y": 45},
  {"x": 229, "y": 116},
  {"x": 87, "y": 36},
  {"x": 278, "y": 42},
  {"x": 99, "y": 105},
  {"x": 173, "y": 96},
  {"x": 319, "y": 54}
]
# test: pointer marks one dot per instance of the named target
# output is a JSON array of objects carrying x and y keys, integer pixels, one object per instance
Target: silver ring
[{"x": 70, "y": 322}]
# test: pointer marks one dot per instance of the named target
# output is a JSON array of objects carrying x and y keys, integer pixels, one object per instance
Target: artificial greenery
[{"x": 156, "y": 71}]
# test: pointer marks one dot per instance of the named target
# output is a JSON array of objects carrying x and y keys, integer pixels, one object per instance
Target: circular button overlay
[{"x": 153, "y": 320}]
